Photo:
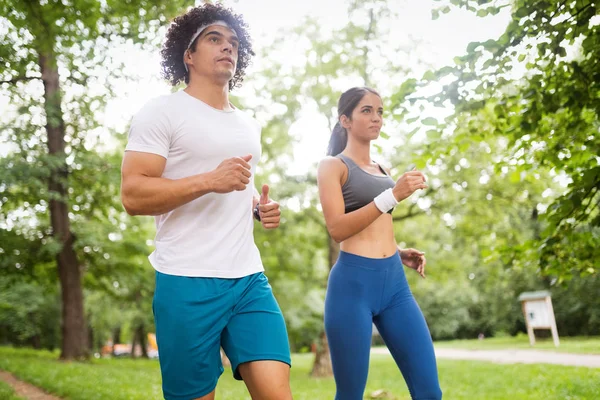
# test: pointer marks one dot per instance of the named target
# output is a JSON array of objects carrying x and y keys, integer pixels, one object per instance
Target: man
[{"x": 190, "y": 162}]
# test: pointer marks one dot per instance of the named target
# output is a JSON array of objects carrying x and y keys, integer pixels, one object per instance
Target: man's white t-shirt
[{"x": 211, "y": 236}]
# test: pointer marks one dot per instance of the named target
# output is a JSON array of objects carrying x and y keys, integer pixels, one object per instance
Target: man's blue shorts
[{"x": 196, "y": 316}]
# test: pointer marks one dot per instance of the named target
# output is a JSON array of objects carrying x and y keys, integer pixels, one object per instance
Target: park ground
[{"x": 128, "y": 379}]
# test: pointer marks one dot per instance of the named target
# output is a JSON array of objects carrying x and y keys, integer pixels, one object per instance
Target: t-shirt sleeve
[
  {"x": 257, "y": 125},
  {"x": 150, "y": 130}
]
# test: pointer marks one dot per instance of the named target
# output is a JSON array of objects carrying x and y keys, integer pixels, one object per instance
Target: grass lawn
[
  {"x": 582, "y": 345},
  {"x": 124, "y": 379},
  {"x": 7, "y": 393}
]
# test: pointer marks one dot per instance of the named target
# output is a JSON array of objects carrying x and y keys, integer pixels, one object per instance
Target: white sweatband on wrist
[{"x": 385, "y": 201}]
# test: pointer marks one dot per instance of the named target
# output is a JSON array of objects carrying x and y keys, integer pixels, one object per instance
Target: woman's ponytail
[{"x": 338, "y": 140}]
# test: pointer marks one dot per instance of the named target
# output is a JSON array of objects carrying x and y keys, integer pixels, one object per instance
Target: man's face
[{"x": 216, "y": 54}]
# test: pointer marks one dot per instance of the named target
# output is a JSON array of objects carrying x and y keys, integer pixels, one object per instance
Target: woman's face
[{"x": 366, "y": 119}]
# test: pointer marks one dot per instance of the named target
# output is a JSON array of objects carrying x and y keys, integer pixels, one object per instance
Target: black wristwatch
[{"x": 256, "y": 213}]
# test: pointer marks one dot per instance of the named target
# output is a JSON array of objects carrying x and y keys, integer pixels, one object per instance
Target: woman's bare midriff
[{"x": 375, "y": 241}]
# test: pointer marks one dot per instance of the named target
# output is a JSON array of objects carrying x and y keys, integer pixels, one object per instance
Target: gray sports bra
[{"x": 362, "y": 187}]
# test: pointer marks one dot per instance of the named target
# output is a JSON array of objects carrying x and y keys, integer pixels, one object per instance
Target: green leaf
[
  {"x": 472, "y": 46},
  {"x": 464, "y": 146},
  {"x": 429, "y": 76},
  {"x": 499, "y": 110},
  {"x": 459, "y": 61},
  {"x": 433, "y": 134},
  {"x": 515, "y": 177},
  {"x": 429, "y": 121},
  {"x": 522, "y": 12}
]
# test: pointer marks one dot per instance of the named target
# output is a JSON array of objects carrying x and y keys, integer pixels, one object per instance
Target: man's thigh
[
  {"x": 256, "y": 332},
  {"x": 267, "y": 380},
  {"x": 190, "y": 315}
]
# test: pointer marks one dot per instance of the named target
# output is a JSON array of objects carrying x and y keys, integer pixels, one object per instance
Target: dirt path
[
  {"x": 24, "y": 389},
  {"x": 514, "y": 356}
]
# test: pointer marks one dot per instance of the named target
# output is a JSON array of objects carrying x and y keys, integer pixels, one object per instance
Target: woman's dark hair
[
  {"x": 346, "y": 105},
  {"x": 183, "y": 27}
]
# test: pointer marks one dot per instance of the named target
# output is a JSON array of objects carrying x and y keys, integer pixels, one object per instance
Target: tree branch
[
  {"x": 365, "y": 49},
  {"x": 574, "y": 208},
  {"x": 558, "y": 8},
  {"x": 590, "y": 202},
  {"x": 582, "y": 9},
  {"x": 410, "y": 214}
]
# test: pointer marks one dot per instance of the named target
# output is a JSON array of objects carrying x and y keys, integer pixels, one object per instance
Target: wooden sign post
[{"x": 539, "y": 314}]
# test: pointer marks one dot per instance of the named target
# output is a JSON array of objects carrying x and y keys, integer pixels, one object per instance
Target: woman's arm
[{"x": 342, "y": 226}]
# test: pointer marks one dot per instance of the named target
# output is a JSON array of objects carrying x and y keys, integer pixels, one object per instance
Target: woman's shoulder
[
  {"x": 332, "y": 169},
  {"x": 331, "y": 163}
]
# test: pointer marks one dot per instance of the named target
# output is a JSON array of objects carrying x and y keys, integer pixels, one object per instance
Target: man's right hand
[{"x": 232, "y": 174}]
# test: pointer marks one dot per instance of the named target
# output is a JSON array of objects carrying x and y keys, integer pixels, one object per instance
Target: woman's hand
[
  {"x": 413, "y": 259},
  {"x": 408, "y": 183}
]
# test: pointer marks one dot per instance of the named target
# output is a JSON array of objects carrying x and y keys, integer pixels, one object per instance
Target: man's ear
[{"x": 187, "y": 58}]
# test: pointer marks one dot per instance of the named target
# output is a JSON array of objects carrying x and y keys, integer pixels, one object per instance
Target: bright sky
[{"x": 443, "y": 39}]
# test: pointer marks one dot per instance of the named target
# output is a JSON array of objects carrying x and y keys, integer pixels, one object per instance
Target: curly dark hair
[{"x": 183, "y": 27}]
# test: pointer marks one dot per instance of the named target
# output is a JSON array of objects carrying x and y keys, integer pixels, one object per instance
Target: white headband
[{"x": 200, "y": 30}]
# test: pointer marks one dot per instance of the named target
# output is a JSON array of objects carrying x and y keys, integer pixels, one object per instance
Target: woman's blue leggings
[{"x": 363, "y": 291}]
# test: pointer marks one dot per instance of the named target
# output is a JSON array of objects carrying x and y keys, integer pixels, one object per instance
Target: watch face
[{"x": 256, "y": 213}]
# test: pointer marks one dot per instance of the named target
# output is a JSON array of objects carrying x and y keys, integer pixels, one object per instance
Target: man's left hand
[{"x": 268, "y": 210}]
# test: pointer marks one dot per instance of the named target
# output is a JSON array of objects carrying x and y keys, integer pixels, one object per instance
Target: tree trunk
[
  {"x": 139, "y": 338},
  {"x": 116, "y": 338},
  {"x": 74, "y": 335},
  {"x": 141, "y": 330},
  {"x": 36, "y": 342},
  {"x": 91, "y": 338},
  {"x": 322, "y": 365},
  {"x": 116, "y": 335},
  {"x": 134, "y": 342},
  {"x": 366, "y": 47}
]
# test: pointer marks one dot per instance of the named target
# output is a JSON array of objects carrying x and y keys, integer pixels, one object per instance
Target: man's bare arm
[{"x": 145, "y": 192}]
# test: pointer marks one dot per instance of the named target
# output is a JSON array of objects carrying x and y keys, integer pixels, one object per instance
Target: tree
[
  {"x": 57, "y": 81},
  {"x": 120, "y": 281},
  {"x": 474, "y": 212},
  {"x": 540, "y": 78},
  {"x": 30, "y": 322}
]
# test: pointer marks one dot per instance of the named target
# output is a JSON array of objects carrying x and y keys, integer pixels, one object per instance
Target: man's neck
[{"x": 214, "y": 94}]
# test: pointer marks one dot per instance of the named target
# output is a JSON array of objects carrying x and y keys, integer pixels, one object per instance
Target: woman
[{"x": 367, "y": 284}]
